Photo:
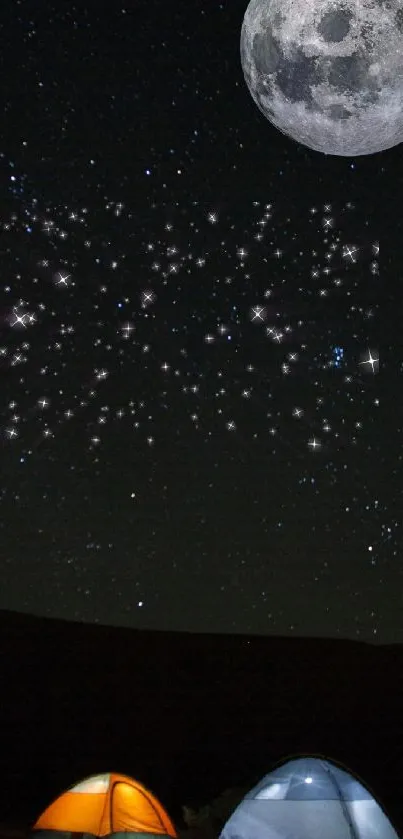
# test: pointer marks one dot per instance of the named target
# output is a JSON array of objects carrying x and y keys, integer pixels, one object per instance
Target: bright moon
[{"x": 328, "y": 74}]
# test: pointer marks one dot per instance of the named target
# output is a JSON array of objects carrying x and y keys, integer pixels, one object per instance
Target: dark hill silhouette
[{"x": 189, "y": 715}]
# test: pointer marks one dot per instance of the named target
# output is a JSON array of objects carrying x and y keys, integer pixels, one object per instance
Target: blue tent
[{"x": 309, "y": 798}]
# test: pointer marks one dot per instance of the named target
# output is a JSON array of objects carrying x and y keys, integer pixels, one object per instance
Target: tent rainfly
[
  {"x": 309, "y": 798},
  {"x": 104, "y": 805}
]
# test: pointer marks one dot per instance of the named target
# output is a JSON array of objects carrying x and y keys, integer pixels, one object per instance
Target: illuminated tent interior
[
  {"x": 309, "y": 798},
  {"x": 104, "y": 805}
]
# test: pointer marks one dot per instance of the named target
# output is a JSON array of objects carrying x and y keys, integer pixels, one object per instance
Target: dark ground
[{"x": 188, "y": 715}]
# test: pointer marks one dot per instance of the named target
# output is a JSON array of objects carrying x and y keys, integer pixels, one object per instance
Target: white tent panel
[
  {"x": 309, "y": 798},
  {"x": 308, "y": 820}
]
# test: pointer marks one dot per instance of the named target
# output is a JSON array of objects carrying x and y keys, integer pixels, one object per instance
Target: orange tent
[{"x": 103, "y": 805}]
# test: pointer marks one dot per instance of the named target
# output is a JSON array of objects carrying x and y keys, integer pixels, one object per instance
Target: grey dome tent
[{"x": 309, "y": 798}]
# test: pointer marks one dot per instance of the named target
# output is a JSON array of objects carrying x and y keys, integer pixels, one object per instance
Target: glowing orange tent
[{"x": 101, "y": 806}]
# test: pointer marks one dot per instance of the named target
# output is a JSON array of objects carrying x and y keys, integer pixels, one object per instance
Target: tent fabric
[
  {"x": 104, "y": 805},
  {"x": 67, "y": 834},
  {"x": 309, "y": 798}
]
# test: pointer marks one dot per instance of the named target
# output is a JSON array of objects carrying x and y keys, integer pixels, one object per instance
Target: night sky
[{"x": 199, "y": 390}]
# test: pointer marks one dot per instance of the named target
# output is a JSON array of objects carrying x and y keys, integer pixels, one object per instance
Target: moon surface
[{"x": 328, "y": 73}]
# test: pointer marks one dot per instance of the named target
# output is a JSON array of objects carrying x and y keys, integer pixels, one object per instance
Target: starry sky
[{"x": 198, "y": 402}]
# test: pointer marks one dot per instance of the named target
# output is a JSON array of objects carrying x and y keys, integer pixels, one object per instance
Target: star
[
  {"x": 372, "y": 361},
  {"x": 258, "y": 313},
  {"x": 62, "y": 279}
]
